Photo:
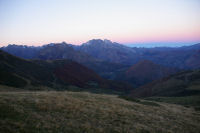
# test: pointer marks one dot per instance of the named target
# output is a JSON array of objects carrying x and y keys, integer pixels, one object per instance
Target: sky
[{"x": 136, "y": 22}]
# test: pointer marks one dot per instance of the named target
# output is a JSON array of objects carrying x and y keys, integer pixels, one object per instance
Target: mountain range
[{"x": 114, "y": 61}]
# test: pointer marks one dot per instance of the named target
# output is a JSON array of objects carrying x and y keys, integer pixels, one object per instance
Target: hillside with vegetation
[
  {"x": 55, "y": 74},
  {"x": 75, "y": 112},
  {"x": 144, "y": 72},
  {"x": 182, "y": 88},
  {"x": 185, "y": 83}
]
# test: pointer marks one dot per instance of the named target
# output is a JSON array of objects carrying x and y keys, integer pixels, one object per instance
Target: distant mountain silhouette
[
  {"x": 62, "y": 51},
  {"x": 66, "y": 51},
  {"x": 109, "y": 51},
  {"x": 23, "y": 51},
  {"x": 114, "y": 52},
  {"x": 176, "y": 57}
]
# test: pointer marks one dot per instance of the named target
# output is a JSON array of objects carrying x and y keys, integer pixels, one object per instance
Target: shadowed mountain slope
[
  {"x": 144, "y": 72},
  {"x": 181, "y": 84},
  {"x": 18, "y": 72}
]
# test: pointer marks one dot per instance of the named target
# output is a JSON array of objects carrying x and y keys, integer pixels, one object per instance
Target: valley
[{"x": 100, "y": 66}]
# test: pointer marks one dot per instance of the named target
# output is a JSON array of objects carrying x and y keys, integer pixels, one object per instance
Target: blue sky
[{"x": 37, "y": 22}]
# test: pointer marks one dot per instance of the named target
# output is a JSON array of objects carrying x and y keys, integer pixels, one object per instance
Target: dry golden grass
[{"x": 74, "y": 112}]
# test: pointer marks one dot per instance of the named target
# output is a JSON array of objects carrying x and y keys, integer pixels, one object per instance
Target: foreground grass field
[{"x": 82, "y": 112}]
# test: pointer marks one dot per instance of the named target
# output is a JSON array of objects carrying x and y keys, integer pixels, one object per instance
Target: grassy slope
[
  {"x": 73, "y": 112},
  {"x": 182, "y": 88},
  {"x": 188, "y": 101}
]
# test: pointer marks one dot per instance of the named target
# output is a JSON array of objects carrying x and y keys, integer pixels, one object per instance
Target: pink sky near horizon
[
  {"x": 74, "y": 21},
  {"x": 128, "y": 39}
]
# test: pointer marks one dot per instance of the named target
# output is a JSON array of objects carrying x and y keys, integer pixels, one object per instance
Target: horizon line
[{"x": 133, "y": 44}]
